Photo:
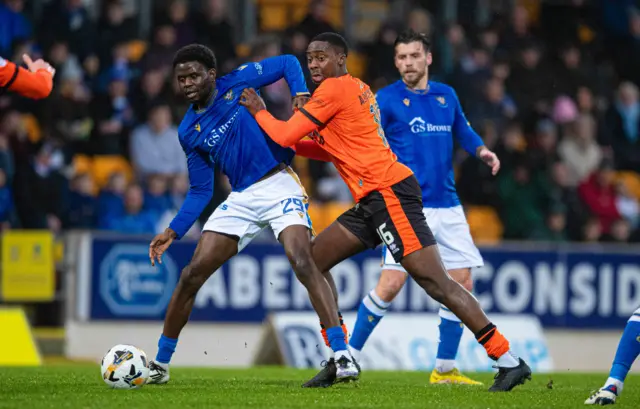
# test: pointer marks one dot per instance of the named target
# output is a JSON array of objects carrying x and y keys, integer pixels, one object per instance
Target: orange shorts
[{"x": 392, "y": 216}]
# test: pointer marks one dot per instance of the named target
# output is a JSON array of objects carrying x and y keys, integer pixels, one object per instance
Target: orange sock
[
  {"x": 323, "y": 331},
  {"x": 493, "y": 341}
]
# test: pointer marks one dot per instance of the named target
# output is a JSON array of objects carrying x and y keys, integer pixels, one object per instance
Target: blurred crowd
[{"x": 552, "y": 88}]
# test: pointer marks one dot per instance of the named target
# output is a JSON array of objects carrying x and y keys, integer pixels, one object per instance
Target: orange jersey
[
  {"x": 344, "y": 119},
  {"x": 35, "y": 85}
]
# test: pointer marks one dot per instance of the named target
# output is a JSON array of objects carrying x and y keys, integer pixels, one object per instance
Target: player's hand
[
  {"x": 159, "y": 245},
  {"x": 299, "y": 101},
  {"x": 39, "y": 64},
  {"x": 252, "y": 101},
  {"x": 490, "y": 158}
]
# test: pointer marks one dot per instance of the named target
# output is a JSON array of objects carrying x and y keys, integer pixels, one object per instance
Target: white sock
[
  {"x": 375, "y": 304},
  {"x": 445, "y": 365},
  {"x": 508, "y": 360},
  {"x": 161, "y": 365},
  {"x": 613, "y": 381},
  {"x": 355, "y": 353},
  {"x": 339, "y": 354}
]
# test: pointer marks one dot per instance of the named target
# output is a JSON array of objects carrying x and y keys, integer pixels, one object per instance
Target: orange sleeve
[
  {"x": 287, "y": 133},
  {"x": 34, "y": 85},
  {"x": 310, "y": 149}
]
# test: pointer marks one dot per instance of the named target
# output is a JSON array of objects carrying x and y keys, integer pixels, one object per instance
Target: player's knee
[
  {"x": 192, "y": 278},
  {"x": 390, "y": 284},
  {"x": 301, "y": 261},
  {"x": 463, "y": 277}
]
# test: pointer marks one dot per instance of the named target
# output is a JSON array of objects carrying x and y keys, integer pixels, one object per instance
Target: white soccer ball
[{"x": 125, "y": 367}]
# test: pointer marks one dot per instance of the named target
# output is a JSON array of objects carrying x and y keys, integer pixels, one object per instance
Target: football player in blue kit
[
  {"x": 421, "y": 118},
  {"x": 216, "y": 130}
]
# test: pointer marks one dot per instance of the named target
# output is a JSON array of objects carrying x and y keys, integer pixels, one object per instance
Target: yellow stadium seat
[
  {"x": 34, "y": 132},
  {"x": 81, "y": 164},
  {"x": 357, "y": 64},
  {"x": 136, "y": 49},
  {"x": 484, "y": 223},
  {"x": 318, "y": 217},
  {"x": 335, "y": 209},
  {"x": 631, "y": 180},
  {"x": 106, "y": 165},
  {"x": 273, "y": 17}
]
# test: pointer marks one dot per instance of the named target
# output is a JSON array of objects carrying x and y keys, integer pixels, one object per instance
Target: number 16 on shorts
[{"x": 387, "y": 237}]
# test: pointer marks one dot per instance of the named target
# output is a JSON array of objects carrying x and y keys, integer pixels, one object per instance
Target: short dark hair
[
  {"x": 196, "y": 52},
  {"x": 335, "y": 39},
  {"x": 409, "y": 36}
]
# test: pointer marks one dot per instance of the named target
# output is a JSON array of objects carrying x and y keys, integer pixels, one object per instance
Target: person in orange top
[
  {"x": 35, "y": 83},
  {"x": 343, "y": 118}
]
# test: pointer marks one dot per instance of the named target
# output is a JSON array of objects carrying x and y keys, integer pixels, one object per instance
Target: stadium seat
[
  {"x": 317, "y": 213},
  {"x": 136, "y": 49},
  {"x": 81, "y": 164},
  {"x": 34, "y": 132},
  {"x": 335, "y": 209},
  {"x": 484, "y": 223},
  {"x": 106, "y": 165},
  {"x": 631, "y": 180},
  {"x": 357, "y": 64},
  {"x": 273, "y": 17}
]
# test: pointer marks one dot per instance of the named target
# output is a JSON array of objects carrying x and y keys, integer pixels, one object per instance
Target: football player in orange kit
[
  {"x": 35, "y": 83},
  {"x": 343, "y": 118}
]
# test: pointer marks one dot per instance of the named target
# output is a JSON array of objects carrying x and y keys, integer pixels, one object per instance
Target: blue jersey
[
  {"x": 225, "y": 135},
  {"x": 420, "y": 127}
]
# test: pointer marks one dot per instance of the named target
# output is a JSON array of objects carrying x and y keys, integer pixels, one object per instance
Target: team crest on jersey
[
  {"x": 197, "y": 127},
  {"x": 229, "y": 96},
  {"x": 442, "y": 101},
  {"x": 406, "y": 101}
]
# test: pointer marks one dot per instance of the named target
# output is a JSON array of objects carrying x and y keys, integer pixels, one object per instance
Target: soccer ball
[{"x": 125, "y": 367}]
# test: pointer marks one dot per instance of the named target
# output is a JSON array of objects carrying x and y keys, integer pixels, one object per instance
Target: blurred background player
[
  {"x": 344, "y": 120},
  {"x": 626, "y": 354},
  {"x": 216, "y": 131},
  {"x": 35, "y": 83},
  {"x": 420, "y": 119}
]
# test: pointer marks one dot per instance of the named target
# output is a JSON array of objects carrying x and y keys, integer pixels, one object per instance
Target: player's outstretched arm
[
  {"x": 285, "y": 134},
  {"x": 199, "y": 195},
  {"x": 35, "y": 83},
  {"x": 272, "y": 69}
]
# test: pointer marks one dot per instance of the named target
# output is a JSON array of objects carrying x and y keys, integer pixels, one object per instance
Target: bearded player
[{"x": 344, "y": 120}]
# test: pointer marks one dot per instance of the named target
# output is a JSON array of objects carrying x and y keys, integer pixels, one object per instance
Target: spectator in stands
[
  {"x": 155, "y": 148},
  {"x": 519, "y": 34},
  {"x": 13, "y": 25},
  {"x": 529, "y": 82},
  {"x": 316, "y": 21},
  {"x": 524, "y": 194},
  {"x": 620, "y": 232},
  {"x": 579, "y": 150},
  {"x": 475, "y": 184},
  {"x": 177, "y": 194},
  {"x": 495, "y": 106},
  {"x": 114, "y": 115},
  {"x": 591, "y": 231},
  {"x": 565, "y": 195},
  {"x": 599, "y": 194},
  {"x": 111, "y": 199},
  {"x": 179, "y": 17},
  {"x": 151, "y": 90},
  {"x": 68, "y": 21},
  {"x": 156, "y": 198},
  {"x": 135, "y": 220},
  {"x": 82, "y": 208},
  {"x": 6, "y": 158},
  {"x": 214, "y": 29},
  {"x": 622, "y": 127},
  {"x": 544, "y": 152},
  {"x": 115, "y": 27},
  {"x": 160, "y": 54},
  {"x": 572, "y": 71},
  {"x": 384, "y": 71},
  {"x": 554, "y": 230},
  {"x": 627, "y": 205}
]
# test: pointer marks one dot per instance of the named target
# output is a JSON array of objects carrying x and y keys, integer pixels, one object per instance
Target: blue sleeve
[
  {"x": 199, "y": 195},
  {"x": 270, "y": 70},
  {"x": 463, "y": 132}
]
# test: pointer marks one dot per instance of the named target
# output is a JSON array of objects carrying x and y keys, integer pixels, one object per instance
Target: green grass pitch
[{"x": 80, "y": 386}]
